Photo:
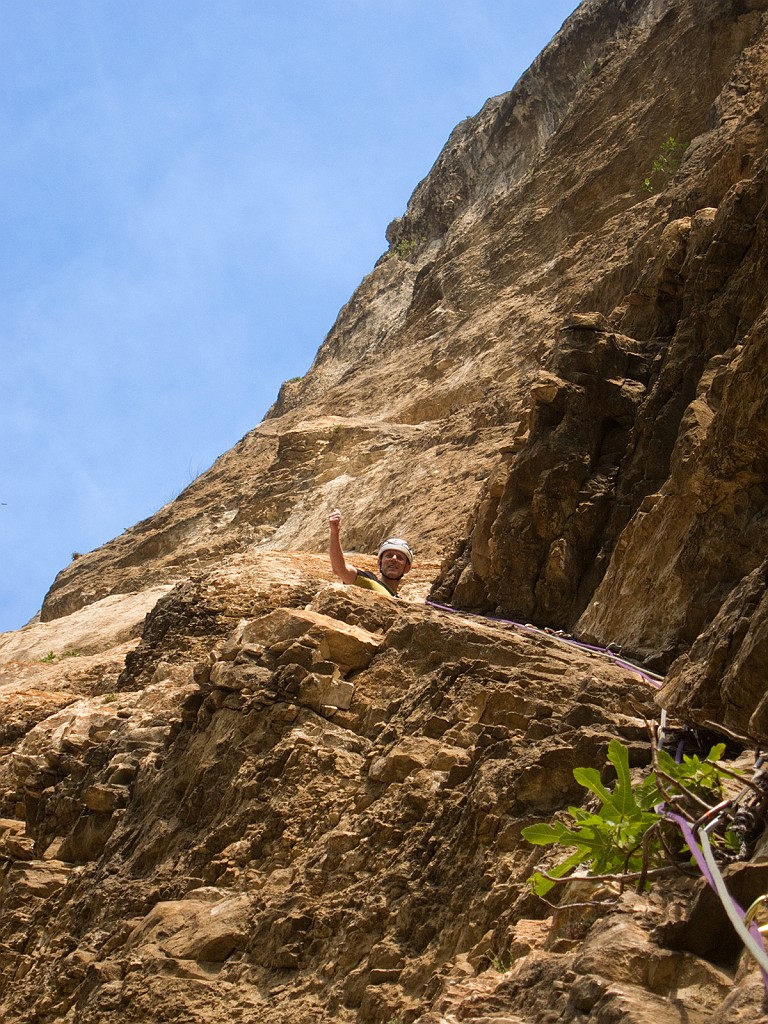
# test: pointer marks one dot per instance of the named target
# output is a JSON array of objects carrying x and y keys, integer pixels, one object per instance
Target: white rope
[{"x": 755, "y": 948}]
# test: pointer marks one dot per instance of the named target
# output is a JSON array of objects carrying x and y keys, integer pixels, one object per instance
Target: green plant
[
  {"x": 497, "y": 962},
  {"x": 625, "y": 838},
  {"x": 405, "y": 248},
  {"x": 666, "y": 162},
  {"x": 52, "y": 656}
]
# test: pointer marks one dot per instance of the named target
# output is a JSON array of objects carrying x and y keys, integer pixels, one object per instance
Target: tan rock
[
  {"x": 33, "y": 879},
  {"x": 101, "y": 625},
  {"x": 559, "y": 393},
  {"x": 193, "y": 930},
  {"x": 324, "y": 691},
  {"x": 349, "y": 646},
  {"x": 408, "y": 756}
]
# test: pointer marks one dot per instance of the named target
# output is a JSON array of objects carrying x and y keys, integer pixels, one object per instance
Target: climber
[{"x": 394, "y": 556}]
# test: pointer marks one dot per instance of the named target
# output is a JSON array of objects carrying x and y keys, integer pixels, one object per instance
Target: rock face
[
  {"x": 322, "y": 821},
  {"x": 546, "y": 350},
  {"x": 230, "y": 789}
]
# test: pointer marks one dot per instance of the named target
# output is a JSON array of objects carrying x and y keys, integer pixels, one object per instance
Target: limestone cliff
[
  {"x": 461, "y": 345},
  {"x": 231, "y": 790}
]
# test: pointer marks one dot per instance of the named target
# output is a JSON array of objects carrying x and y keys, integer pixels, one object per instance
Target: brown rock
[
  {"x": 560, "y": 393},
  {"x": 193, "y": 930}
]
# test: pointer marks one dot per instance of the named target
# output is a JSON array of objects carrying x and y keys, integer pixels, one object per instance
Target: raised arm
[{"x": 341, "y": 567}]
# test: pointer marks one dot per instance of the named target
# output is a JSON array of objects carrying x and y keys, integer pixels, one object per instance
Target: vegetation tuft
[
  {"x": 52, "y": 656},
  {"x": 626, "y": 836},
  {"x": 406, "y": 248},
  {"x": 666, "y": 163}
]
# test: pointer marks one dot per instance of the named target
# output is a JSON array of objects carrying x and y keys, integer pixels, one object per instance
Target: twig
[
  {"x": 719, "y": 727},
  {"x": 578, "y": 906},
  {"x": 687, "y": 792},
  {"x": 646, "y": 855},
  {"x": 629, "y": 877},
  {"x": 747, "y": 783}
]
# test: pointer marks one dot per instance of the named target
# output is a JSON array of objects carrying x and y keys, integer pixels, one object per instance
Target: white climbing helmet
[{"x": 395, "y": 544}]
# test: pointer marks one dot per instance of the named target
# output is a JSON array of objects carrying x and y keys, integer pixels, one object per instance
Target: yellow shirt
[{"x": 368, "y": 581}]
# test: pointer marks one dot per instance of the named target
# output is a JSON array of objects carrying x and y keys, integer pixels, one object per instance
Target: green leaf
[
  {"x": 543, "y": 835},
  {"x": 667, "y": 763},
  {"x": 542, "y": 885},
  {"x": 589, "y": 839},
  {"x": 647, "y": 793},
  {"x": 623, "y": 796},
  {"x": 583, "y": 818},
  {"x": 590, "y": 779}
]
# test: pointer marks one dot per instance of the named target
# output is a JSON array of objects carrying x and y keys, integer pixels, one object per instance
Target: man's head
[{"x": 395, "y": 558}]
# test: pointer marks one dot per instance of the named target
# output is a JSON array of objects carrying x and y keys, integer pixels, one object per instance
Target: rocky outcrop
[
  {"x": 632, "y": 502},
  {"x": 323, "y": 820},
  {"x": 534, "y": 550},
  {"x": 721, "y": 679},
  {"x": 231, "y": 789}
]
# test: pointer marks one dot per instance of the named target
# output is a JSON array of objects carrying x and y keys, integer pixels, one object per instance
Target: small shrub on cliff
[
  {"x": 625, "y": 838},
  {"x": 406, "y": 247},
  {"x": 498, "y": 963},
  {"x": 666, "y": 163}
]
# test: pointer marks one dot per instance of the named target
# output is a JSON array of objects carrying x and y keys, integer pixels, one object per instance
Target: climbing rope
[
  {"x": 699, "y": 843},
  {"x": 526, "y": 627},
  {"x": 746, "y": 929}
]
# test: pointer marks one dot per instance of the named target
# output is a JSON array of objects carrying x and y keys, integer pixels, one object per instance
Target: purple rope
[
  {"x": 656, "y": 681},
  {"x": 698, "y": 856},
  {"x": 649, "y": 677}
]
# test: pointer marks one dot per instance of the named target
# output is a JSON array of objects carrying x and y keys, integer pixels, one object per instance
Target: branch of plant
[
  {"x": 654, "y": 829},
  {"x": 661, "y": 774},
  {"x": 630, "y": 877},
  {"x": 747, "y": 783},
  {"x": 578, "y": 906}
]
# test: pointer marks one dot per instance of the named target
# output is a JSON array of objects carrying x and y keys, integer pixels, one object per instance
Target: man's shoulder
[
  {"x": 367, "y": 575},
  {"x": 368, "y": 581}
]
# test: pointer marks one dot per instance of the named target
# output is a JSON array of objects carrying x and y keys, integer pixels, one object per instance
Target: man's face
[{"x": 393, "y": 565}]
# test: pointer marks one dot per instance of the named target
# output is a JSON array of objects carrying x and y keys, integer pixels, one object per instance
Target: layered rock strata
[
  {"x": 546, "y": 349},
  {"x": 321, "y": 820},
  {"x": 230, "y": 791}
]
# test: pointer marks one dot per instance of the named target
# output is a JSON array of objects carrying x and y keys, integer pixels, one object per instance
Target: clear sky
[{"x": 189, "y": 192}]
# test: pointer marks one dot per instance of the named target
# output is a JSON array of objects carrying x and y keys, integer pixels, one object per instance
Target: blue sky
[{"x": 189, "y": 192}]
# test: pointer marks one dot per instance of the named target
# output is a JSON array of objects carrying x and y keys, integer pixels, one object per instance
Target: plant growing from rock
[
  {"x": 498, "y": 963},
  {"x": 626, "y": 837},
  {"x": 406, "y": 247},
  {"x": 666, "y": 162}
]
